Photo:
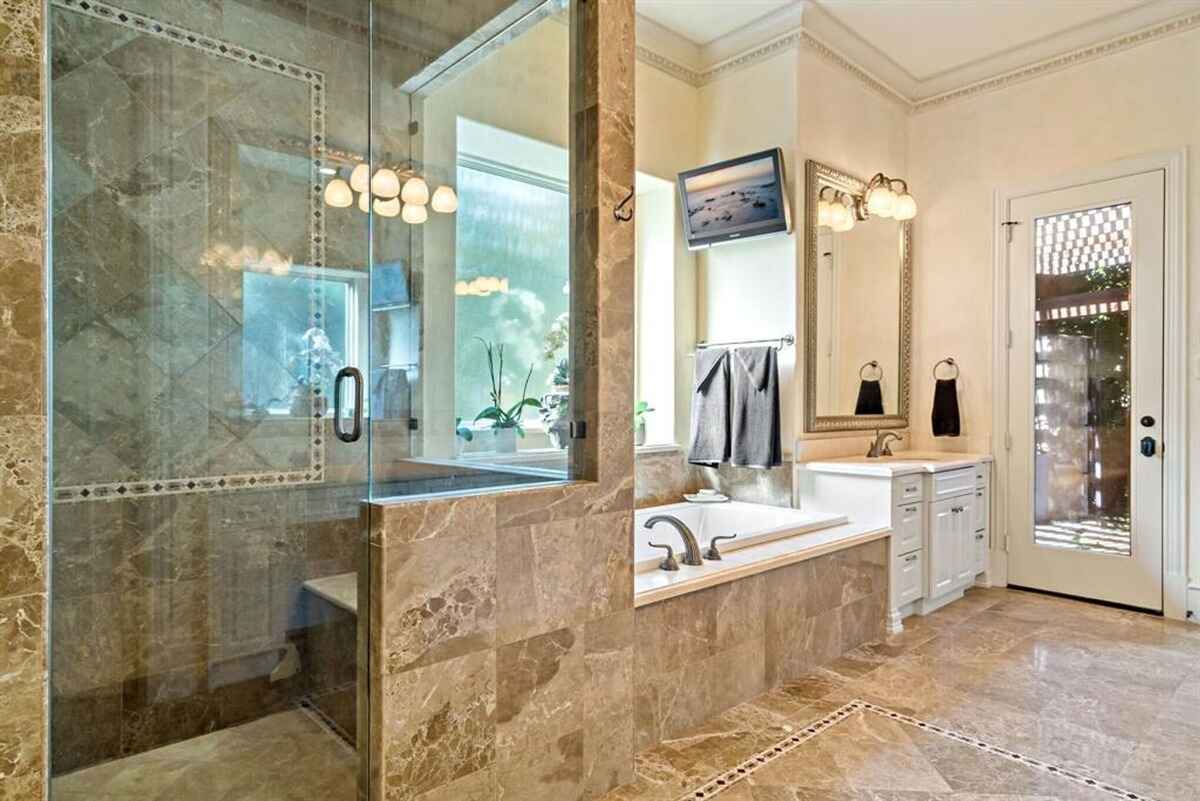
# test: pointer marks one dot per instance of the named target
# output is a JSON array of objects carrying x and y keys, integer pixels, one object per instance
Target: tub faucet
[
  {"x": 882, "y": 444},
  {"x": 691, "y": 548}
]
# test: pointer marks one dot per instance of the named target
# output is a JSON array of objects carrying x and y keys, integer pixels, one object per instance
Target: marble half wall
[
  {"x": 501, "y": 625},
  {"x": 702, "y": 653},
  {"x": 23, "y": 515}
]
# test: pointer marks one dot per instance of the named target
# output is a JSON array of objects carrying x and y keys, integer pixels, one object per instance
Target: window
[
  {"x": 512, "y": 267},
  {"x": 288, "y": 345}
]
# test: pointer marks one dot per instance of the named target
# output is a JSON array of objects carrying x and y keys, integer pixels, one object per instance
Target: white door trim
[{"x": 1175, "y": 364}]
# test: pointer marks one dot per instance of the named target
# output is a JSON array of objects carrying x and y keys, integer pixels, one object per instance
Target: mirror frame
[{"x": 816, "y": 175}]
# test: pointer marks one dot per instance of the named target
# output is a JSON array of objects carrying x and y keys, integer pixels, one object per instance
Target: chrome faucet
[
  {"x": 691, "y": 554},
  {"x": 881, "y": 446}
]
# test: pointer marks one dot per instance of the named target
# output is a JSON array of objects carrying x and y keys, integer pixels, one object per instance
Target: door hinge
[
  {"x": 1007, "y": 441},
  {"x": 578, "y": 429},
  {"x": 1008, "y": 339},
  {"x": 1006, "y": 543},
  {"x": 1008, "y": 228}
]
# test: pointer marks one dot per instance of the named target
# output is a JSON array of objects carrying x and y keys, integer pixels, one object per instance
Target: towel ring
[
  {"x": 949, "y": 360},
  {"x": 874, "y": 364}
]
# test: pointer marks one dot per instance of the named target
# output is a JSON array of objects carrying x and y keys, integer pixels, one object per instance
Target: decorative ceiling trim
[
  {"x": 1106, "y": 48},
  {"x": 802, "y": 38}
]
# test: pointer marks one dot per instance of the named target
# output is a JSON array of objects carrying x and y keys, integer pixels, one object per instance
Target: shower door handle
[{"x": 356, "y": 430}]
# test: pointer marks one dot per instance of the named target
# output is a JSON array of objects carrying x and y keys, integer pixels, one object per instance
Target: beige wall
[{"x": 1134, "y": 102}]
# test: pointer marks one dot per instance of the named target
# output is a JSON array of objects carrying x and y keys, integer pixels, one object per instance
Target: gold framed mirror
[{"x": 858, "y": 308}]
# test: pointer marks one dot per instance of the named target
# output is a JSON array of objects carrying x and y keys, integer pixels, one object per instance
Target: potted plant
[
  {"x": 462, "y": 435},
  {"x": 506, "y": 420},
  {"x": 639, "y": 422}
]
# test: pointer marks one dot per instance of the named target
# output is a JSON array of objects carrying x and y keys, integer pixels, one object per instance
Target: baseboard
[{"x": 1193, "y": 603}]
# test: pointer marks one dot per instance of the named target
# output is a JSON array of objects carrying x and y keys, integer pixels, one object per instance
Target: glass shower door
[{"x": 206, "y": 535}]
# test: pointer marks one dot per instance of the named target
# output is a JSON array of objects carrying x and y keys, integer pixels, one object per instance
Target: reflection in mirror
[{"x": 857, "y": 309}]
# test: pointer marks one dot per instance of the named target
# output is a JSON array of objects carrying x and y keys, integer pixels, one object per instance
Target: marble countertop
[
  {"x": 658, "y": 585},
  {"x": 899, "y": 464}
]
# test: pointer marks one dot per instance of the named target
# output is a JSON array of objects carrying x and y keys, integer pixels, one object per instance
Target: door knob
[{"x": 1148, "y": 446}]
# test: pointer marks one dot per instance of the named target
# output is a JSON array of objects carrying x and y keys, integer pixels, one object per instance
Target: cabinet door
[
  {"x": 965, "y": 528},
  {"x": 980, "y": 508},
  {"x": 945, "y": 546}
]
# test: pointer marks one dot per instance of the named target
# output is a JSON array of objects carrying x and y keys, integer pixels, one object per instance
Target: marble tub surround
[
  {"x": 1098, "y": 691},
  {"x": 23, "y": 512},
  {"x": 653, "y": 585},
  {"x": 663, "y": 476},
  {"x": 706, "y": 651}
]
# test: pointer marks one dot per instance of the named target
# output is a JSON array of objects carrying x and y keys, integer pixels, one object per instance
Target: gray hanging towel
[
  {"x": 756, "y": 428},
  {"x": 710, "y": 408}
]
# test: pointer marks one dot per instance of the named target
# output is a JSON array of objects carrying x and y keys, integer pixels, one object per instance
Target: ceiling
[
  {"x": 702, "y": 21},
  {"x": 921, "y": 48}
]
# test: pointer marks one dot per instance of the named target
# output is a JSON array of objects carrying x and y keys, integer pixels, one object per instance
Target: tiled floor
[
  {"x": 283, "y": 757},
  {"x": 1114, "y": 695}
]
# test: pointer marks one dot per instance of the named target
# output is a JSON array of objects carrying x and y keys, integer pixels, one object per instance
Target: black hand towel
[
  {"x": 945, "y": 408},
  {"x": 870, "y": 398}
]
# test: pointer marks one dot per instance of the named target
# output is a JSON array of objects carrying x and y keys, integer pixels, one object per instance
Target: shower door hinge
[
  {"x": 1008, "y": 228},
  {"x": 414, "y": 128},
  {"x": 579, "y": 429},
  {"x": 414, "y": 424}
]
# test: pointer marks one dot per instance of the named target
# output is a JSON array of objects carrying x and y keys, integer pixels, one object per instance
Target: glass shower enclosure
[{"x": 267, "y": 308}]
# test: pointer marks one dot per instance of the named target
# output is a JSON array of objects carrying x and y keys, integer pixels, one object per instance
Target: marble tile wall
[
  {"x": 699, "y": 654},
  {"x": 663, "y": 477},
  {"x": 502, "y": 624},
  {"x": 23, "y": 515}
]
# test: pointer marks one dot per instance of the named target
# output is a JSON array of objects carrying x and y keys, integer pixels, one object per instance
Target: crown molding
[
  {"x": 1115, "y": 45},
  {"x": 798, "y": 37}
]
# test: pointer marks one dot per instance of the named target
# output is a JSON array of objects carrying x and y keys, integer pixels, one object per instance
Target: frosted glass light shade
[
  {"x": 363, "y": 202},
  {"x": 822, "y": 213},
  {"x": 387, "y": 208},
  {"x": 836, "y": 214},
  {"x": 414, "y": 213},
  {"x": 415, "y": 191},
  {"x": 905, "y": 207},
  {"x": 385, "y": 183},
  {"x": 444, "y": 200},
  {"x": 880, "y": 201},
  {"x": 338, "y": 194},
  {"x": 360, "y": 178}
]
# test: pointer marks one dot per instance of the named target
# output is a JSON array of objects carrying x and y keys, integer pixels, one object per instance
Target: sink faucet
[
  {"x": 691, "y": 555},
  {"x": 881, "y": 446}
]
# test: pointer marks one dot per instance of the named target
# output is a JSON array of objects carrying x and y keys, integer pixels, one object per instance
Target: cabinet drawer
[
  {"x": 906, "y": 528},
  {"x": 980, "y": 552},
  {"x": 906, "y": 489},
  {"x": 909, "y": 578},
  {"x": 981, "y": 474},
  {"x": 955, "y": 482}
]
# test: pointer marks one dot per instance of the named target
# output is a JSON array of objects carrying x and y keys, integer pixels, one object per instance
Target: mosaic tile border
[
  {"x": 315, "y": 79},
  {"x": 724, "y": 781}
]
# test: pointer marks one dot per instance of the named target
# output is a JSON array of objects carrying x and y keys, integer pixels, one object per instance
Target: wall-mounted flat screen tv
[{"x": 734, "y": 200}]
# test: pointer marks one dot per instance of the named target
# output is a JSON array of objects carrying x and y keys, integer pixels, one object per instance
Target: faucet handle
[
  {"x": 669, "y": 563},
  {"x": 712, "y": 552}
]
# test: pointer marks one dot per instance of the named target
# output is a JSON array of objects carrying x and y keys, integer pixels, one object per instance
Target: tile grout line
[
  {"x": 1013, "y": 756},
  {"x": 748, "y": 767}
]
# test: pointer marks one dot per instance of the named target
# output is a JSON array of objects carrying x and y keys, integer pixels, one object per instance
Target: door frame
[{"x": 1175, "y": 363}]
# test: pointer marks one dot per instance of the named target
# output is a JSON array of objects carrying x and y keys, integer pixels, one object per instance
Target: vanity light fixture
[
  {"x": 837, "y": 214},
  {"x": 445, "y": 201},
  {"x": 415, "y": 191},
  {"x": 389, "y": 207},
  {"x": 882, "y": 200},
  {"x": 338, "y": 194},
  {"x": 414, "y": 213},
  {"x": 385, "y": 183}
]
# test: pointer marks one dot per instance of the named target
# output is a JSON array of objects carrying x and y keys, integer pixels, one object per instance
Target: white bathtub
[{"x": 753, "y": 523}]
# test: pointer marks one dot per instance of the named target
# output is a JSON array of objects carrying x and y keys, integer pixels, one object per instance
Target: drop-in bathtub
[{"x": 754, "y": 524}]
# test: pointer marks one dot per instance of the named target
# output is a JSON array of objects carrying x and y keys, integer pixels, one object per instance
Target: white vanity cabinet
[{"x": 937, "y": 507}]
